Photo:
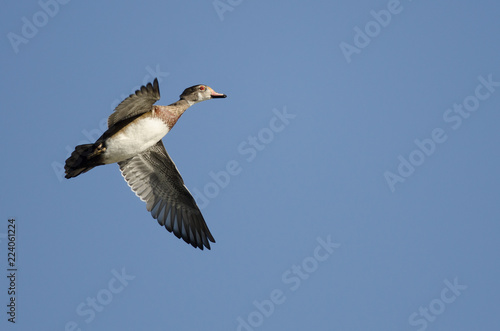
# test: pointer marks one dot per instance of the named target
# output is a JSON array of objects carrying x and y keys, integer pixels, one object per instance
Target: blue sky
[{"x": 350, "y": 178}]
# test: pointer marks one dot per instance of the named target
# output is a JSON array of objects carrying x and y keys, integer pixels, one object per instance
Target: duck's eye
[{"x": 202, "y": 88}]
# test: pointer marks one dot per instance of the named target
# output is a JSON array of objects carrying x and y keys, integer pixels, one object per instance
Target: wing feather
[
  {"x": 138, "y": 103},
  {"x": 154, "y": 178}
]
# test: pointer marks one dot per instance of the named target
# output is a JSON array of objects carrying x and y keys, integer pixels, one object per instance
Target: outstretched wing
[
  {"x": 136, "y": 104},
  {"x": 154, "y": 178}
]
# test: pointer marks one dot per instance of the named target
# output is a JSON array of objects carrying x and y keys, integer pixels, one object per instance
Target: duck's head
[{"x": 198, "y": 93}]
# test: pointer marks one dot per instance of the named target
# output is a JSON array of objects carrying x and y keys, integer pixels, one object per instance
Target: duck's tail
[{"x": 81, "y": 160}]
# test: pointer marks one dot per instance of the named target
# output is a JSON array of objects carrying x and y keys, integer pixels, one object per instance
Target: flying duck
[{"x": 133, "y": 140}]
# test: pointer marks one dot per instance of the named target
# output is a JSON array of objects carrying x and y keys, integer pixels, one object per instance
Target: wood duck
[{"x": 133, "y": 140}]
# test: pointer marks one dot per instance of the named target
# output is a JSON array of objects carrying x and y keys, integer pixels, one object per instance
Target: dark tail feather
[{"x": 80, "y": 160}]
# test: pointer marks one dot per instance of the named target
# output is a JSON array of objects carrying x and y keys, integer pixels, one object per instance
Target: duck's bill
[{"x": 218, "y": 95}]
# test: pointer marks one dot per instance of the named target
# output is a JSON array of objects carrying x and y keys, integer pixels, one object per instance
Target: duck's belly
[{"x": 134, "y": 139}]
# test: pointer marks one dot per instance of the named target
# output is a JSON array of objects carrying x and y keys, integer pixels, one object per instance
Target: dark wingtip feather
[{"x": 156, "y": 87}]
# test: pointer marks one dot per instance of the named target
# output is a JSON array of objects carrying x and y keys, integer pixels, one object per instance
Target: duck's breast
[{"x": 134, "y": 138}]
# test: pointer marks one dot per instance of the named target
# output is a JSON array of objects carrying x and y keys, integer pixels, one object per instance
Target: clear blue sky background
[{"x": 417, "y": 252}]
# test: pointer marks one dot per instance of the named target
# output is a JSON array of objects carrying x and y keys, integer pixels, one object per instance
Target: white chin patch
[{"x": 200, "y": 98}]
